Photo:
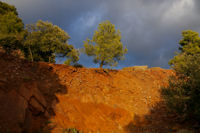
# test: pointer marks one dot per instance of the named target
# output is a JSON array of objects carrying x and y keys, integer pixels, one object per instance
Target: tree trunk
[
  {"x": 101, "y": 64},
  {"x": 30, "y": 53}
]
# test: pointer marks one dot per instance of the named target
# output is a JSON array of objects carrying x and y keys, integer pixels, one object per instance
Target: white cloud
[{"x": 178, "y": 11}]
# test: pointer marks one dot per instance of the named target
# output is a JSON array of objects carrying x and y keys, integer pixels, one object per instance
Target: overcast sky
[{"x": 151, "y": 29}]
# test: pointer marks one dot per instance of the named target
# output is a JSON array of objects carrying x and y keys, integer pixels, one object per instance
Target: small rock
[
  {"x": 35, "y": 106},
  {"x": 184, "y": 131}
]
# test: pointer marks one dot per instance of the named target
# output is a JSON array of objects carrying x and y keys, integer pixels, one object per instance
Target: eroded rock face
[
  {"x": 91, "y": 100},
  {"x": 18, "y": 106},
  {"x": 12, "y": 111},
  {"x": 36, "y": 102},
  {"x": 111, "y": 100},
  {"x": 27, "y": 93}
]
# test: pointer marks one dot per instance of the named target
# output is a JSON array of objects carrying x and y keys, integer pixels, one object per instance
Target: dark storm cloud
[{"x": 150, "y": 29}]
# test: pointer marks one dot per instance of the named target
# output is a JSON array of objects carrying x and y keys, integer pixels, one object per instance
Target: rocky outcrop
[
  {"x": 135, "y": 68},
  {"x": 42, "y": 97},
  {"x": 27, "y": 94},
  {"x": 19, "y": 106}
]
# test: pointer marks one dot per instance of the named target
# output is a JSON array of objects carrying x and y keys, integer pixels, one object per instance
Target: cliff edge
[{"x": 52, "y": 98}]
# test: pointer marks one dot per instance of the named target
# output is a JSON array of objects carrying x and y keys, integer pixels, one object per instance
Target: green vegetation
[
  {"x": 41, "y": 41},
  {"x": 106, "y": 46},
  {"x": 45, "y": 41},
  {"x": 71, "y": 130},
  {"x": 77, "y": 65},
  {"x": 183, "y": 93},
  {"x": 11, "y": 28}
]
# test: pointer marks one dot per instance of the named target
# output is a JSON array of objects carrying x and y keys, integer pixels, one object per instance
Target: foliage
[
  {"x": 71, "y": 130},
  {"x": 190, "y": 42},
  {"x": 183, "y": 93},
  {"x": 11, "y": 29},
  {"x": 77, "y": 65},
  {"x": 106, "y": 46},
  {"x": 5, "y": 8},
  {"x": 44, "y": 41}
]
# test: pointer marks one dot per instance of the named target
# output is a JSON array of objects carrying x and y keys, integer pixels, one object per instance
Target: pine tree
[
  {"x": 106, "y": 46},
  {"x": 11, "y": 28},
  {"x": 183, "y": 93},
  {"x": 45, "y": 41}
]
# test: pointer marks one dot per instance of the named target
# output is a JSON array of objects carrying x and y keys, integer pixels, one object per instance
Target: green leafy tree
[
  {"x": 45, "y": 41},
  {"x": 183, "y": 93},
  {"x": 11, "y": 28},
  {"x": 106, "y": 46}
]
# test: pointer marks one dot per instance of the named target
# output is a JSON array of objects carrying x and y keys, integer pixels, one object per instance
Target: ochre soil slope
[{"x": 42, "y": 97}]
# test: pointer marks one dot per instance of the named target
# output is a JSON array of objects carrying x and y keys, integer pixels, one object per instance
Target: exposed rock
[
  {"x": 155, "y": 68},
  {"x": 30, "y": 91},
  {"x": 184, "y": 131},
  {"x": 90, "y": 100},
  {"x": 135, "y": 68},
  {"x": 12, "y": 111},
  {"x": 35, "y": 106}
]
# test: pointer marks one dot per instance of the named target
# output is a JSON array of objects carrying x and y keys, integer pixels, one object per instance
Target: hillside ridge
[{"x": 53, "y": 97}]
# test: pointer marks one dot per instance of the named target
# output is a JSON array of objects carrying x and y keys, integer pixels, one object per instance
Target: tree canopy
[
  {"x": 44, "y": 41},
  {"x": 106, "y": 46},
  {"x": 41, "y": 41},
  {"x": 11, "y": 29},
  {"x": 183, "y": 93}
]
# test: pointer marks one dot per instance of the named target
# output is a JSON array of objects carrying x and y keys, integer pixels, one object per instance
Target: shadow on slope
[
  {"x": 159, "y": 120},
  {"x": 27, "y": 95},
  {"x": 156, "y": 121}
]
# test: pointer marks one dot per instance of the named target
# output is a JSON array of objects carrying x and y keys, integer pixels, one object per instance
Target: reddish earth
[{"x": 42, "y": 97}]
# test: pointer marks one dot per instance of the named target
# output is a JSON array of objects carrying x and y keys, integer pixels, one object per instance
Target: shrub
[{"x": 183, "y": 93}]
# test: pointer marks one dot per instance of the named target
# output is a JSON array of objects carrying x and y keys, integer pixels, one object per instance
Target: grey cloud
[{"x": 150, "y": 29}]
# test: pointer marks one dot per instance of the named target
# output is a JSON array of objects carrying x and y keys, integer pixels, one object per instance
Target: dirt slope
[{"x": 51, "y": 98}]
